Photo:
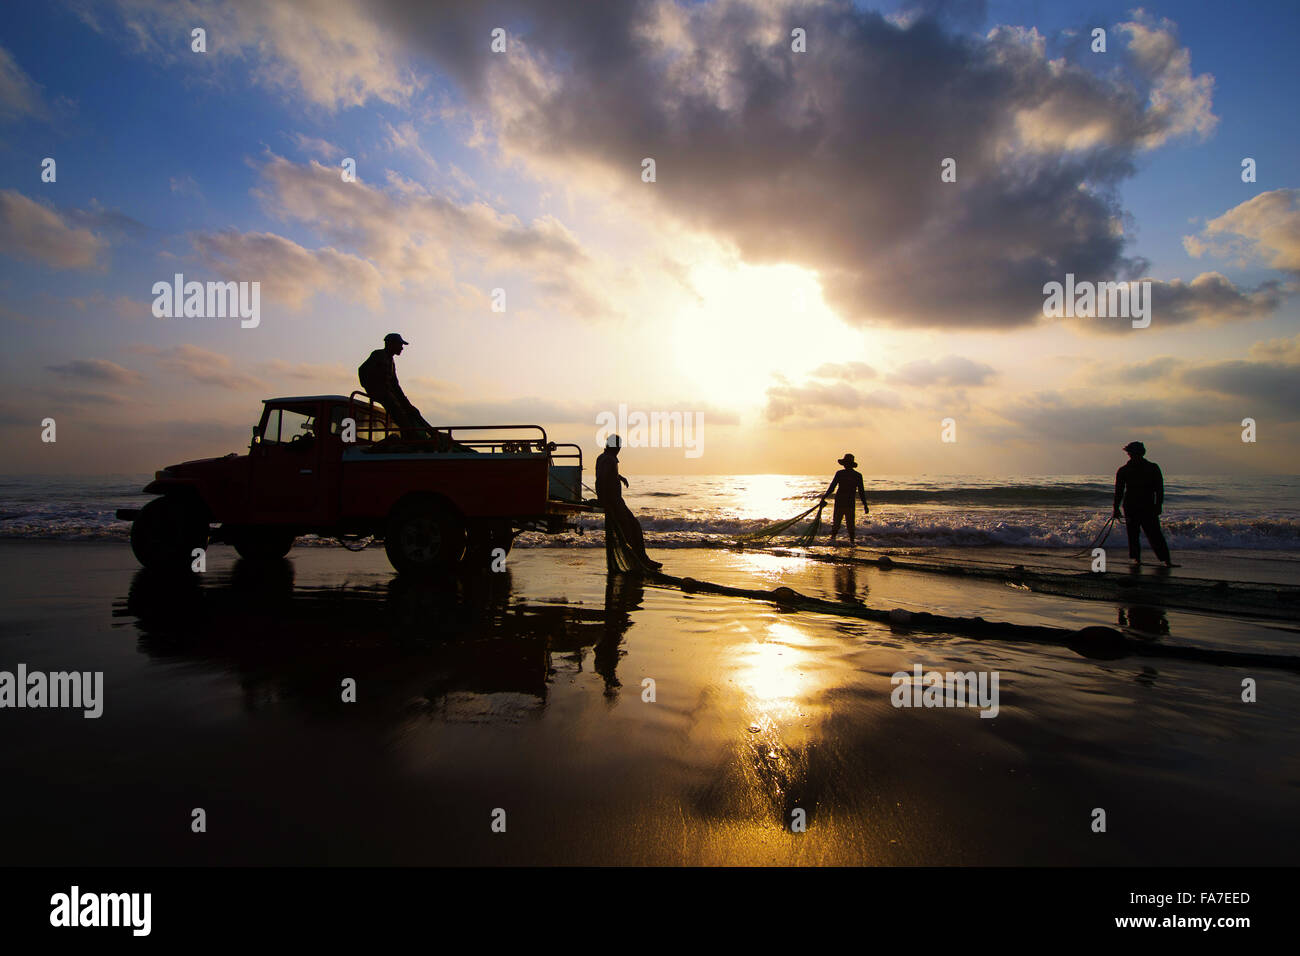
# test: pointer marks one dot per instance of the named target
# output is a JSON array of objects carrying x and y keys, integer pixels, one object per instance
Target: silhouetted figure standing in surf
[
  {"x": 846, "y": 483},
  {"x": 1140, "y": 487},
  {"x": 624, "y": 540}
]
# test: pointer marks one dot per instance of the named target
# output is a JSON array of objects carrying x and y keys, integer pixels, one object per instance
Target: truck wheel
[
  {"x": 263, "y": 544},
  {"x": 424, "y": 536},
  {"x": 166, "y": 532}
]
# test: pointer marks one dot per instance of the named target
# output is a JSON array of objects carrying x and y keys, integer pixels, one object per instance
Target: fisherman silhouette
[
  {"x": 846, "y": 483},
  {"x": 1140, "y": 487},
  {"x": 378, "y": 376},
  {"x": 624, "y": 540}
]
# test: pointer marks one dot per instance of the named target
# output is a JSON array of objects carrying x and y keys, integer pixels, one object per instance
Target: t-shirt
[
  {"x": 377, "y": 371},
  {"x": 1140, "y": 485},
  {"x": 608, "y": 486},
  {"x": 378, "y": 376},
  {"x": 847, "y": 483}
]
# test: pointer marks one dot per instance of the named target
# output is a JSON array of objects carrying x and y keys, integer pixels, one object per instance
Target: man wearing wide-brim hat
[{"x": 844, "y": 485}]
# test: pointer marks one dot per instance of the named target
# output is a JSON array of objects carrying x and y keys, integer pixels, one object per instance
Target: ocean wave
[
  {"x": 1064, "y": 496},
  {"x": 1028, "y": 530}
]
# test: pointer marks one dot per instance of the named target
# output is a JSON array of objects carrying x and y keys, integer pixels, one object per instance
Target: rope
[
  {"x": 1098, "y": 541},
  {"x": 1098, "y": 642}
]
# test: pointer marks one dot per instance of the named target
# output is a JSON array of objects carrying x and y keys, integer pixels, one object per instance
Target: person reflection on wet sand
[
  {"x": 1148, "y": 620},
  {"x": 623, "y": 595},
  {"x": 846, "y": 584}
]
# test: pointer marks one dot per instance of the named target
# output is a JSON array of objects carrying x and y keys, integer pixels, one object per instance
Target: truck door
[{"x": 286, "y": 466}]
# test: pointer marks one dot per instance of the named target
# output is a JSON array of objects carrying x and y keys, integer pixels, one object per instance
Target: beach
[{"x": 525, "y": 692}]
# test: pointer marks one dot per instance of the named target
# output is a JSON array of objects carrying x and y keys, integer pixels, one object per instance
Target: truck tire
[
  {"x": 166, "y": 532},
  {"x": 262, "y": 544},
  {"x": 424, "y": 536}
]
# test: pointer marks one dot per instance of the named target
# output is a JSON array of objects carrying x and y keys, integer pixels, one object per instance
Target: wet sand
[{"x": 523, "y": 691}]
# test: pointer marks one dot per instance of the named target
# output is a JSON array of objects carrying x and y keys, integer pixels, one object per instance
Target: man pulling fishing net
[
  {"x": 846, "y": 483},
  {"x": 624, "y": 540}
]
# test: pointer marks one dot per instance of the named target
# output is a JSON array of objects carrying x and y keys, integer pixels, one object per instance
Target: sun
[{"x": 754, "y": 322}]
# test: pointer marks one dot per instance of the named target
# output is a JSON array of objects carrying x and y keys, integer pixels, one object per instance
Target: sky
[{"x": 804, "y": 274}]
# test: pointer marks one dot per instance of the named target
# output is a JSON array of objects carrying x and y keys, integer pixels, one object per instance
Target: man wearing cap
[
  {"x": 1140, "y": 487},
  {"x": 378, "y": 377},
  {"x": 845, "y": 484}
]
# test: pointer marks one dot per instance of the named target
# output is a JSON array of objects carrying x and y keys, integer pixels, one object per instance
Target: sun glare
[{"x": 753, "y": 321}]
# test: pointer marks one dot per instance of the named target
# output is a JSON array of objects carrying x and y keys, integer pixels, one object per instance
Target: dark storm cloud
[
  {"x": 1274, "y": 386},
  {"x": 831, "y": 158}
]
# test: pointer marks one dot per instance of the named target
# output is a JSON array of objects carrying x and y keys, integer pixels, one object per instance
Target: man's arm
[
  {"x": 1160, "y": 489},
  {"x": 862, "y": 493},
  {"x": 829, "y": 491},
  {"x": 1119, "y": 489}
]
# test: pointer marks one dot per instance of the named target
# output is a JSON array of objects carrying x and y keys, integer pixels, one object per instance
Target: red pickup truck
[{"x": 334, "y": 466}]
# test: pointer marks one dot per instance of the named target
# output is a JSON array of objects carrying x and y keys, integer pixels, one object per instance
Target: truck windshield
[{"x": 284, "y": 425}]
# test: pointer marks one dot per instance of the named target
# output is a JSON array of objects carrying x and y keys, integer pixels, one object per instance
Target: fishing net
[
  {"x": 767, "y": 532},
  {"x": 621, "y": 553}
]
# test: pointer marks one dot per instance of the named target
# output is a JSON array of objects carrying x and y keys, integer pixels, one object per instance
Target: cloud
[
  {"x": 830, "y": 159},
  {"x": 316, "y": 147},
  {"x": 112, "y": 221},
  {"x": 1180, "y": 103},
  {"x": 952, "y": 371},
  {"x": 1286, "y": 350},
  {"x": 1079, "y": 418},
  {"x": 405, "y": 138},
  {"x": 844, "y": 371},
  {"x": 333, "y": 373},
  {"x": 19, "y": 95},
  {"x": 410, "y": 236},
  {"x": 97, "y": 370},
  {"x": 288, "y": 272},
  {"x": 815, "y": 400},
  {"x": 1265, "y": 228},
  {"x": 36, "y": 233},
  {"x": 1141, "y": 373},
  {"x": 1205, "y": 395},
  {"x": 1209, "y": 296},
  {"x": 1271, "y": 386},
  {"x": 79, "y": 398},
  {"x": 335, "y": 56},
  {"x": 202, "y": 366},
  {"x": 185, "y": 186}
]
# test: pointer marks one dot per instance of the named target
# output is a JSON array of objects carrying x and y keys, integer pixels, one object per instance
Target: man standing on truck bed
[{"x": 378, "y": 377}]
